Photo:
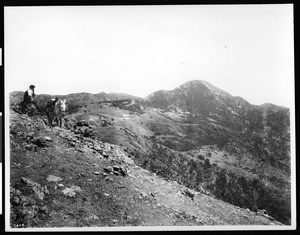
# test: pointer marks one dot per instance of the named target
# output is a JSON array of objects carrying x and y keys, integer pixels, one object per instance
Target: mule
[{"x": 56, "y": 110}]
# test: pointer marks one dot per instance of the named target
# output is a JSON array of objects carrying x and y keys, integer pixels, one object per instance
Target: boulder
[
  {"x": 116, "y": 168},
  {"x": 89, "y": 132},
  {"x": 30, "y": 135},
  {"x": 31, "y": 147},
  {"x": 92, "y": 217},
  {"x": 68, "y": 192},
  {"x": 82, "y": 123},
  {"x": 108, "y": 169},
  {"x": 53, "y": 178},
  {"x": 71, "y": 192},
  {"x": 119, "y": 170},
  {"x": 189, "y": 193},
  {"x": 39, "y": 190},
  {"x": 123, "y": 171},
  {"x": 44, "y": 209},
  {"x": 41, "y": 141},
  {"x": 105, "y": 155}
]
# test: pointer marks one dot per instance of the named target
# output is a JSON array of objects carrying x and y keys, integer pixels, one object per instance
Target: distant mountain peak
[{"x": 207, "y": 85}]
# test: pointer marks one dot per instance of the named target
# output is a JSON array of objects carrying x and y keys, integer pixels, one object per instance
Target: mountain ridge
[{"x": 118, "y": 95}]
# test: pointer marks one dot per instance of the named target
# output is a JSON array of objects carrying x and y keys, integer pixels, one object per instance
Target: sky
[{"x": 245, "y": 50}]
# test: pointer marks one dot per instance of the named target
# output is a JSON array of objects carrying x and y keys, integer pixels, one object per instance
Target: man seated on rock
[
  {"x": 29, "y": 99},
  {"x": 29, "y": 95}
]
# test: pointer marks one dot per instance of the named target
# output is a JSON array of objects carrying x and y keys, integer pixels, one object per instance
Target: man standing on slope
[{"x": 50, "y": 105}]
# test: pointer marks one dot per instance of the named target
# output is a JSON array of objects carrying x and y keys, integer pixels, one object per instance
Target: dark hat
[{"x": 32, "y": 86}]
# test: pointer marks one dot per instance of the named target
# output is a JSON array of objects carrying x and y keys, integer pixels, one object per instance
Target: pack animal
[{"x": 56, "y": 110}]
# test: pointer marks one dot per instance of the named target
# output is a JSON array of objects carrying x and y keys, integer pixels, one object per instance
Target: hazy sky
[{"x": 246, "y": 50}]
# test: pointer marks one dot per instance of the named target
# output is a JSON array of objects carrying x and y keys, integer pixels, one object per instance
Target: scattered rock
[
  {"x": 23, "y": 199},
  {"x": 123, "y": 171},
  {"x": 35, "y": 207},
  {"x": 97, "y": 148},
  {"x": 39, "y": 190},
  {"x": 264, "y": 213},
  {"x": 31, "y": 147},
  {"x": 119, "y": 170},
  {"x": 108, "y": 169},
  {"x": 15, "y": 192},
  {"x": 41, "y": 141},
  {"x": 76, "y": 188},
  {"x": 47, "y": 138},
  {"x": 189, "y": 193},
  {"x": 53, "y": 178},
  {"x": 68, "y": 192},
  {"x": 29, "y": 136},
  {"x": 109, "y": 179},
  {"x": 44, "y": 209},
  {"x": 80, "y": 150},
  {"x": 116, "y": 168},
  {"x": 82, "y": 123},
  {"x": 72, "y": 144},
  {"x": 92, "y": 217},
  {"x": 16, "y": 200},
  {"x": 105, "y": 155},
  {"x": 96, "y": 172},
  {"x": 106, "y": 194},
  {"x": 71, "y": 192}
]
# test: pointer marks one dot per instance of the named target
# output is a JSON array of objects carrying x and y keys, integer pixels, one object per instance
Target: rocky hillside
[
  {"x": 203, "y": 138},
  {"x": 60, "y": 178}
]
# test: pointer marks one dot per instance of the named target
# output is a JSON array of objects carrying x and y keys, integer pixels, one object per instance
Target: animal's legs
[{"x": 50, "y": 121}]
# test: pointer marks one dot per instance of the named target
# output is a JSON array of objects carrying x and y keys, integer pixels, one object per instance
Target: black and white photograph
[{"x": 149, "y": 117}]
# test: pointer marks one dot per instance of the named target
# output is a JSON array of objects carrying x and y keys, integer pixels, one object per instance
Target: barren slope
[{"x": 63, "y": 179}]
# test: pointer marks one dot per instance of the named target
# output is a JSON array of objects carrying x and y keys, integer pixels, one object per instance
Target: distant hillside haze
[
  {"x": 195, "y": 90},
  {"x": 201, "y": 97},
  {"x": 208, "y": 104}
]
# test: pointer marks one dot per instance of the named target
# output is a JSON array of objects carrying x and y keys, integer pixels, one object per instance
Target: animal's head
[{"x": 63, "y": 106}]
